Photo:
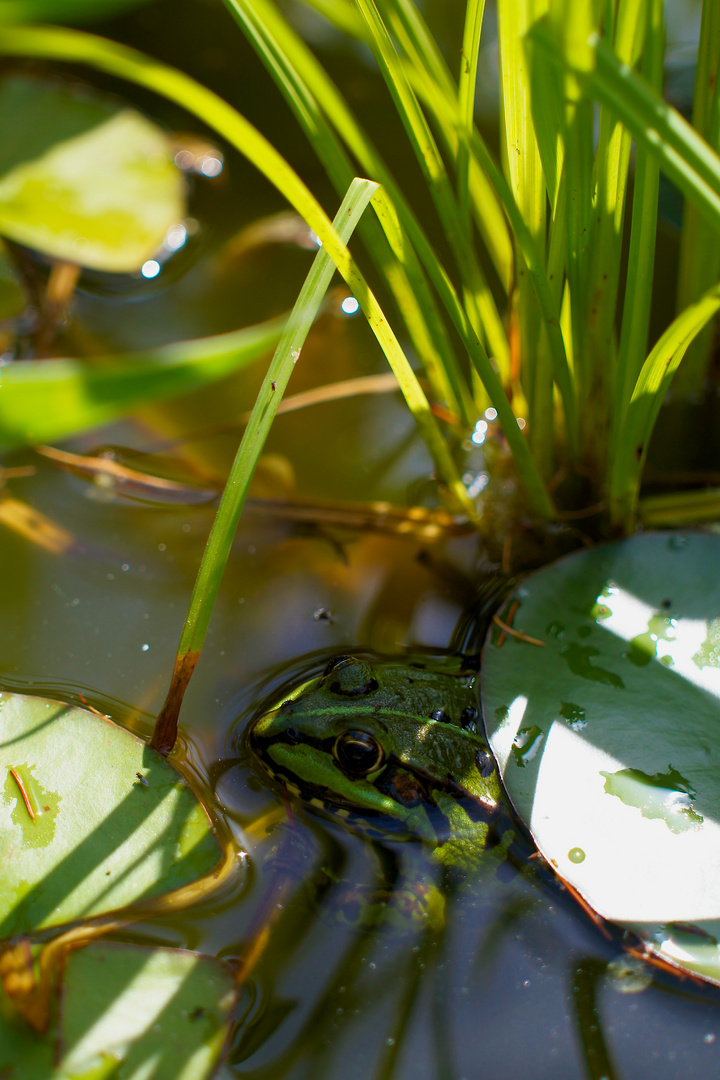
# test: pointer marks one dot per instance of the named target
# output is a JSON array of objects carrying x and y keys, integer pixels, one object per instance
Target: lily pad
[
  {"x": 91, "y": 819},
  {"x": 81, "y": 181},
  {"x": 608, "y": 734},
  {"x": 127, "y": 1011}
]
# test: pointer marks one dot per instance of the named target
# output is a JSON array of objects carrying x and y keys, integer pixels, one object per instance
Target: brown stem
[{"x": 166, "y": 725}]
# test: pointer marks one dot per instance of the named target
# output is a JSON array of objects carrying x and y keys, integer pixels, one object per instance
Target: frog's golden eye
[{"x": 358, "y": 753}]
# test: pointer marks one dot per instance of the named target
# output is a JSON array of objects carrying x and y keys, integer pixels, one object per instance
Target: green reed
[{"x": 551, "y": 342}]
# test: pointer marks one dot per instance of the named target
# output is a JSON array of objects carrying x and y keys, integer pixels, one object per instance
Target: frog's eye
[
  {"x": 338, "y": 662},
  {"x": 358, "y": 753}
]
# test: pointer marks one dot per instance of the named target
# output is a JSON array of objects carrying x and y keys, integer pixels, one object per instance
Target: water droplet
[
  {"x": 709, "y": 1038},
  {"x": 576, "y": 855},
  {"x": 526, "y": 744},
  {"x": 389, "y": 1042}
]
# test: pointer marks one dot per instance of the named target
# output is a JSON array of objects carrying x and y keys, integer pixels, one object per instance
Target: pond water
[{"x": 517, "y": 984}]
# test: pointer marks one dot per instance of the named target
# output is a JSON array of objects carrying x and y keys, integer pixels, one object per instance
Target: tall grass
[
  {"x": 542, "y": 343},
  {"x": 569, "y": 370},
  {"x": 581, "y": 97}
]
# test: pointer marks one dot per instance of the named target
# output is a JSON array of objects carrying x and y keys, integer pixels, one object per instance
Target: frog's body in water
[{"x": 391, "y": 747}]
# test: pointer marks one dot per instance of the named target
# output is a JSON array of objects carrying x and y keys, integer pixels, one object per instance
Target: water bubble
[
  {"x": 150, "y": 269},
  {"x": 175, "y": 237},
  {"x": 629, "y": 975},
  {"x": 211, "y": 166},
  {"x": 576, "y": 855}
]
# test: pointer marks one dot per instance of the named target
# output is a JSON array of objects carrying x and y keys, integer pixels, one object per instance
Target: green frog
[{"x": 393, "y": 749}]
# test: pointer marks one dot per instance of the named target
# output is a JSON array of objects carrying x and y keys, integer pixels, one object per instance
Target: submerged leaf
[
  {"x": 82, "y": 183},
  {"x": 620, "y": 782},
  {"x": 91, "y": 819},
  {"x": 43, "y": 400},
  {"x": 127, "y": 1011}
]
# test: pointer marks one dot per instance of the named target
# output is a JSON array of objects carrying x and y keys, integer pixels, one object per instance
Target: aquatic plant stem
[{"x": 222, "y": 533}]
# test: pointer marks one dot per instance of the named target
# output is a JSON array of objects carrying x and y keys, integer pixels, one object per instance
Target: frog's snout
[{"x": 273, "y": 725}]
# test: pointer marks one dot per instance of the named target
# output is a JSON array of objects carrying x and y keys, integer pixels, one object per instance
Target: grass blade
[
  {"x": 680, "y": 509},
  {"x": 524, "y": 170},
  {"x": 612, "y": 159},
  {"x": 223, "y": 529},
  {"x": 652, "y": 384},
  {"x": 467, "y": 81},
  {"x": 641, "y": 257},
  {"x": 699, "y": 242}
]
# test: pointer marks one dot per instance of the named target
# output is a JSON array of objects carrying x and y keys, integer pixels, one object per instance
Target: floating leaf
[
  {"x": 608, "y": 739},
  {"x": 91, "y": 819},
  {"x": 42, "y": 400},
  {"x": 83, "y": 183},
  {"x": 126, "y": 1011}
]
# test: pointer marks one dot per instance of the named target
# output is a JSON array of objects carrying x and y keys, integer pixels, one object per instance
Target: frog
[{"x": 393, "y": 749}]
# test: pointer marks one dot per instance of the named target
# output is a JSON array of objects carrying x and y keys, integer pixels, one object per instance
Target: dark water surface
[{"x": 516, "y": 985}]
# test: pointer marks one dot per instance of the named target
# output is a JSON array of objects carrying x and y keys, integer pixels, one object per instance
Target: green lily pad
[
  {"x": 82, "y": 182},
  {"x": 91, "y": 819},
  {"x": 127, "y": 1012},
  {"x": 608, "y": 738}
]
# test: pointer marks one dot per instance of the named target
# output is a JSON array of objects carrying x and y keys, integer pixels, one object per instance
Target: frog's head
[{"x": 390, "y": 746}]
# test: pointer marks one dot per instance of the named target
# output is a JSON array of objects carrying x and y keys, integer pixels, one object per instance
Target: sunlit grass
[
  {"x": 547, "y": 340},
  {"x": 566, "y": 70}
]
